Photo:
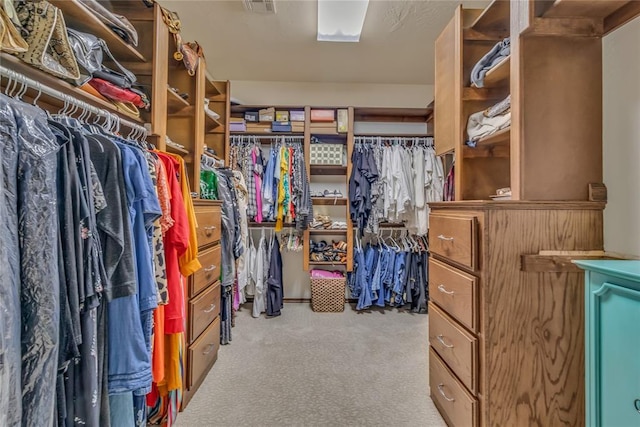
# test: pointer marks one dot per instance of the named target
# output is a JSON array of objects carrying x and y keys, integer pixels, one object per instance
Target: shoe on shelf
[
  {"x": 336, "y": 194},
  {"x": 339, "y": 225},
  {"x": 209, "y": 112}
]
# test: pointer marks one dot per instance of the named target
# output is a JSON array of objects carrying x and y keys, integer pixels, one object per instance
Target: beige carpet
[{"x": 319, "y": 369}]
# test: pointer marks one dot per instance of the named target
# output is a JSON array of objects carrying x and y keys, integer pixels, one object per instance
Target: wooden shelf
[
  {"x": 587, "y": 8},
  {"x": 494, "y": 18},
  {"x": 78, "y": 17},
  {"x": 212, "y": 124},
  {"x": 329, "y": 201},
  {"x": 395, "y": 134},
  {"x": 268, "y": 133},
  {"x": 176, "y": 150},
  {"x": 326, "y": 263},
  {"x": 213, "y": 88},
  {"x": 375, "y": 114},
  {"x": 328, "y": 170},
  {"x": 53, "y": 82},
  {"x": 501, "y": 137},
  {"x": 498, "y": 75},
  {"x": 328, "y": 232},
  {"x": 244, "y": 108},
  {"x": 177, "y": 105}
]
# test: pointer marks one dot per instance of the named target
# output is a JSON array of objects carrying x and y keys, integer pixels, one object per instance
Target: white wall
[
  {"x": 331, "y": 94},
  {"x": 621, "y": 143}
]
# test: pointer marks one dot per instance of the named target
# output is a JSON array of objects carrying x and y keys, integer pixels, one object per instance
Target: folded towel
[{"x": 492, "y": 58}]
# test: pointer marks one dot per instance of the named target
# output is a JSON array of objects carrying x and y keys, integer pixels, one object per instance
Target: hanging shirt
[{"x": 176, "y": 241}]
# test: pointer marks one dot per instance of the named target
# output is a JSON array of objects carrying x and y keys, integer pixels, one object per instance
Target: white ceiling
[{"x": 396, "y": 46}]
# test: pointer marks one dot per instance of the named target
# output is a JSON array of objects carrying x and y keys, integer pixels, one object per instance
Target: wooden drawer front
[
  {"x": 202, "y": 311},
  {"x": 203, "y": 353},
  {"x": 456, "y": 405},
  {"x": 456, "y": 346},
  {"x": 455, "y": 291},
  {"x": 209, "y": 273},
  {"x": 209, "y": 224},
  {"x": 454, "y": 238}
]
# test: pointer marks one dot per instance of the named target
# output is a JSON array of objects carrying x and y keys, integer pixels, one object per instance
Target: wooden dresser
[
  {"x": 506, "y": 328},
  {"x": 203, "y": 300}
]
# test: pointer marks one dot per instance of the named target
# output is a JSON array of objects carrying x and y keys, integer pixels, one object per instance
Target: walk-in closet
[{"x": 319, "y": 213}]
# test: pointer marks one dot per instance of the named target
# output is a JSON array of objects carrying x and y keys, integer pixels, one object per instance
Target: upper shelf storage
[
  {"x": 494, "y": 19},
  {"x": 610, "y": 14},
  {"x": 55, "y": 83},
  {"x": 78, "y": 17}
]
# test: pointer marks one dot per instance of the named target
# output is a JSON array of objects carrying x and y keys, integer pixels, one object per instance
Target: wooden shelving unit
[
  {"x": 176, "y": 150},
  {"x": 328, "y": 170},
  {"x": 501, "y": 137},
  {"x": 16, "y": 64},
  {"x": 329, "y": 201},
  {"x": 78, "y": 17},
  {"x": 328, "y": 232}
]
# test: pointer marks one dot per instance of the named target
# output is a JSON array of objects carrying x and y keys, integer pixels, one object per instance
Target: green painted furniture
[{"x": 612, "y": 326}]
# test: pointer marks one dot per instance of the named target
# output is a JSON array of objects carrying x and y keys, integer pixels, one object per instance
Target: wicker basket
[
  {"x": 326, "y": 154},
  {"x": 327, "y": 295}
]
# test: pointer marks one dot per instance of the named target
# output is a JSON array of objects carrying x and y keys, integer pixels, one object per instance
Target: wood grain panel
[
  {"x": 455, "y": 291},
  {"x": 447, "y": 44},
  {"x": 457, "y": 406},
  {"x": 208, "y": 224},
  {"x": 562, "y": 78},
  {"x": 203, "y": 310},
  {"x": 454, "y": 238},
  {"x": 535, "y": 320},
  {"x": 458, "y": 348},
  {"x": 210, "y": 271},
  {"x": 203, "y": 354}
]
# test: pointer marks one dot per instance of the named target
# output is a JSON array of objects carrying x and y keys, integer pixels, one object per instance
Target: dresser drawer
[
  {"x": 209, "y": 273},
  {"x": 202, "y": 311},
  {"x": 209, "y": 224},
  {"x": 456, "y": 346},
  {"x": 454, "y": 237},
  {"x": 203, "y": 353},
  {"x": 456, "y": 405},
  {"x": 455, "y": 291}
]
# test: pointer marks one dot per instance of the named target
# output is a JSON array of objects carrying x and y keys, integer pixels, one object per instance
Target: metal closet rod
[
  {"x": 395, "y": 138},
  {"x": 24, "y": 80}
]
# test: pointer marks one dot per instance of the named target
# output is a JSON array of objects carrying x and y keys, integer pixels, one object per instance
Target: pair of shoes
[
  {"x": 334, "y": 193},
  {"x": 316, "y": 224},
  {"x": 338, "y": 225},
  {"x": 340, "y": 246}
]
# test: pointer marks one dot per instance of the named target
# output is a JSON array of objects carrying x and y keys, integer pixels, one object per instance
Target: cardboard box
[
  {"x": 281, "y": 127},
  {"x": 343, "y": 121},
  {"x": 251, "y": 116},
  {"x": 282, "y": 116},
  {"x": 236, "y": 120},
  {"x": 267, "y": 114},
  {"x": 237, "y": 127},
  {"x": 323, "y": 115},
  {"x": 296, "y": 115}
]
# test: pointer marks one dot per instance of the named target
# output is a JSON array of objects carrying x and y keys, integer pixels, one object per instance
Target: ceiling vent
[{"x": 260, "y": 6}]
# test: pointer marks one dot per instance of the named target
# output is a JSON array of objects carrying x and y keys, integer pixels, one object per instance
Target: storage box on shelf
[{"x": 203, "y": 299}]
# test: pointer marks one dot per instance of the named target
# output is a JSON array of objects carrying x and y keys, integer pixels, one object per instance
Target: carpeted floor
[{"x": 319, "y": 369}]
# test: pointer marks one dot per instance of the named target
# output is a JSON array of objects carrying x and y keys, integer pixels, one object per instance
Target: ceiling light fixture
[{"x": 341, "y": 20}]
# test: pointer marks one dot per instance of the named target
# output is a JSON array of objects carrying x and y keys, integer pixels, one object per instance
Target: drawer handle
[
  {"x": 441, "y": 339},
  {"x": 444, "y": 290},
  {"x": 208, "y": 349},
  {"x": 210, "y": 268},
  {"x": 448, "y": 239},
  {"x": 441, "y": 390},
  {"x": 636, "y": 403},
  {"x": 210, "y": 228},
  {"x": 210, "y": 309}
]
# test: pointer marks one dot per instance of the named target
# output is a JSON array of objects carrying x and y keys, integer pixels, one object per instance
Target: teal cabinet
[{"x": 612, "y": 325}]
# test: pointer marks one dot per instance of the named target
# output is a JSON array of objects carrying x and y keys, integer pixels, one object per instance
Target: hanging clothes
[{"x": 275, "y": 286}]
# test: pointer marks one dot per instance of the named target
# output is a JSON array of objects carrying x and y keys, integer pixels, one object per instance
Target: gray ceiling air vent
[{"x": 260, "y": 6}]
